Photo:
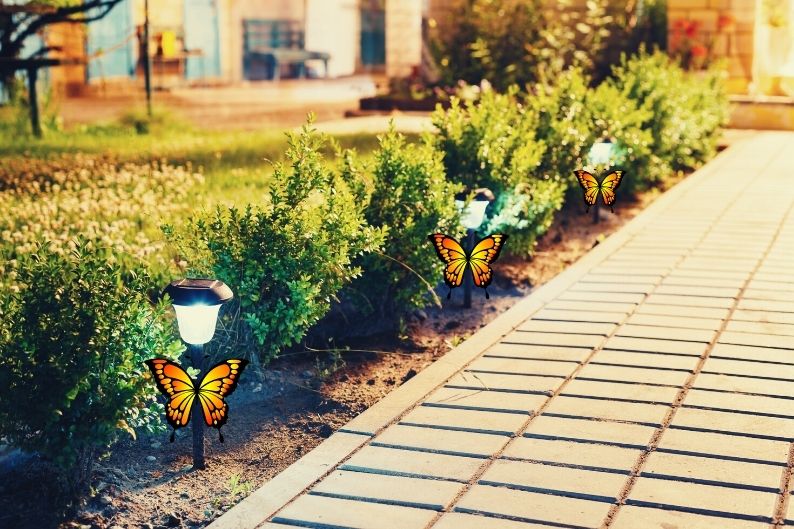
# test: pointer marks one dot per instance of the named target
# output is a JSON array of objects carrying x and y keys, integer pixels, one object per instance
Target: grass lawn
[{"x": 235, "y": 164}]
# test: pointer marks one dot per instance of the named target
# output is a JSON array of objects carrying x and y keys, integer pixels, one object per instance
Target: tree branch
[{"x": 64, "y": 15}]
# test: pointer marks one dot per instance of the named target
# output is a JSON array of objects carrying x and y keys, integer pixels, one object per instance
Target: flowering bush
[
  {"x": 694, "y": 48},
  {"x": 74, "y": 332}
]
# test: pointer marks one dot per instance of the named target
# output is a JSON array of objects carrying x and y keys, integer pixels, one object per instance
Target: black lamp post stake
[
  {"x": 468, "y": 280},
  {"x": 197, "y": 358},
  {"x": 196, "y": 302}
]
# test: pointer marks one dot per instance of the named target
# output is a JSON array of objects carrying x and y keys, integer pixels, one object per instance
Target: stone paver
[
  {"x": 504, "y": 382},
  {"x": 533, "y": 506},
  {"x": 566, "y": 406},
  {"x": 446, "y": 441},
  {"x": 480, "y": 399},
  {"x": 411, "y": 463},
  {"x": 539, "y": 477},
  {"x": 712, "y": 471},
  {"x": 724, "y": 446},
  {"x": 328, "y": 512},
  {"x": 616, "y": 392},
  {"x": 649, "y": 385},
  {"x": 695, "y": 497},
  {"x": 631, "y": 517},
  {"x": 538, "y": 352},
  {"x": 615, "y": 433},
  {"x": 431, "y": 494},
  {"x": 468, "y": 420},
  {"x": 594, "y": 455},
  {"x": 457, "y": 520}
]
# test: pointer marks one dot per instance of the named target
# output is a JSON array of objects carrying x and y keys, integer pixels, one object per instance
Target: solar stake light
[
  {"x": 600, "y": 154},
  {"x": 472, "y": 216},
  {"x": 196, "y": 304},
  {"x": 473, "y": 213}
]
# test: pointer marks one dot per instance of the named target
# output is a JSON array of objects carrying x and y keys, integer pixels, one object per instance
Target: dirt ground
[{"x": 148, "y": 483}]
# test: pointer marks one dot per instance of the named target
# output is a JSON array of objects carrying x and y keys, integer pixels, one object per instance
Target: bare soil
[{"x": 281, "y": 414}]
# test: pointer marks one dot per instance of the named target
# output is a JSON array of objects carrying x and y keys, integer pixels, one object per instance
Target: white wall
[{"x": 332, "y": 26}]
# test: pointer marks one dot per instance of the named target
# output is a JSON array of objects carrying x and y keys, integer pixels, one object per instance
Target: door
[
  {"x": 373, "y": 35},
  {"x": 111, "y": 43},
  {"x": 201, "y": 37}
]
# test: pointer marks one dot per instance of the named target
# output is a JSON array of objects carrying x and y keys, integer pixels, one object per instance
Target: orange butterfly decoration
[
  {"x": 456, "y": 259},
  {"x": 182, "y": 391},
  {"x": 592, "y": 187}
]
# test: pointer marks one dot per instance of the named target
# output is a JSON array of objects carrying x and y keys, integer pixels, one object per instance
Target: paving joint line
[{"x": 681, "y": 396}]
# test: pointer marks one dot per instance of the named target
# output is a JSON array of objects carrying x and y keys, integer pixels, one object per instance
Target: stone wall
[{"x": 733, "y": 42}]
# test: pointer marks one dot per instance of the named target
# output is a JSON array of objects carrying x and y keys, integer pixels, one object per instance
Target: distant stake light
[
  {"x": 601, "y": 152},
  {"x": 472, "y": 216},
  {"x": 473, "y": 213},
  {"x": 196, "y": 303}
]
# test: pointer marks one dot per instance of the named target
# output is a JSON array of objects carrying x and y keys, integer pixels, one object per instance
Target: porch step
[{"x": 762, "y": 112}]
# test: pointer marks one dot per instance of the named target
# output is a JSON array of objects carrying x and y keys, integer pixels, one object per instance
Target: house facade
[{"x": 205, "y": 41}]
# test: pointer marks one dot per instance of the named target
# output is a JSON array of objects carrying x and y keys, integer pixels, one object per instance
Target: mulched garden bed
[{"x": 280, "y": 415}]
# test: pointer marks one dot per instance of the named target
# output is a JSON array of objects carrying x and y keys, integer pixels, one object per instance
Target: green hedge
[
  {"x": 492, "y": 144},
  {"x": 75, "y": 330},
  {"x": 408, "y": 197},
  {"x": 286, "y": 260}
]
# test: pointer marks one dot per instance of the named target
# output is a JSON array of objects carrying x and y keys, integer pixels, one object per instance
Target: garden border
[{"x": 263, "y": 503}]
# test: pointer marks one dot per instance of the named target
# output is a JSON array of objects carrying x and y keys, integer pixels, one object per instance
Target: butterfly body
[
  {"x": 592, "y": 187},
  {"x": 457, "y": 259},
  {"x": 186, "y": 395}
]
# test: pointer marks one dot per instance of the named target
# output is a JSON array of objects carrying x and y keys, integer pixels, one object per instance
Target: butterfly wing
[
  {"x": 483, "y": 254},
  {"x": 220, "y": 381},
  {"x": 454, "y": 256},
  {"x": 608, "y": 186},
  {"x": 589, "y": 185},
  {"x": 176, "y": 384}
]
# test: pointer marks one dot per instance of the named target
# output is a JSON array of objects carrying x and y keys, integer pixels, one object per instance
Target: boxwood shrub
[
  {"x": 407, "y": 196},
  {"x": 285, "y": 260},
  {"x": 75, "y": 329},
  {"x": 492, "y": 143}
]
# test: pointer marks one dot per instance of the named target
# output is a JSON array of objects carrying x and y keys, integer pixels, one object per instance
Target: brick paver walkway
[{"x": 655, "y": 389}]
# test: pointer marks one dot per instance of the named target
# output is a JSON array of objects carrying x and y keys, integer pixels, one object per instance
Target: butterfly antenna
[
  {"x": 220, "y": 435},
  {"x": 449, "y": 294},
  {"x": 173, "y": 432},
  {"x": 486, "y": 294}
]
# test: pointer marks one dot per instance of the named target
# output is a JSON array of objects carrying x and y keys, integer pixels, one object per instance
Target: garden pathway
[{"x": 650, "y": 385}]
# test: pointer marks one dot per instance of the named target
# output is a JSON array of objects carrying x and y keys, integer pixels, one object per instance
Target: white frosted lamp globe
[
  {"x": 600, "y": 153},
  {"x": 473, "y": 213},
  {"x": 196, "y": 303}
]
